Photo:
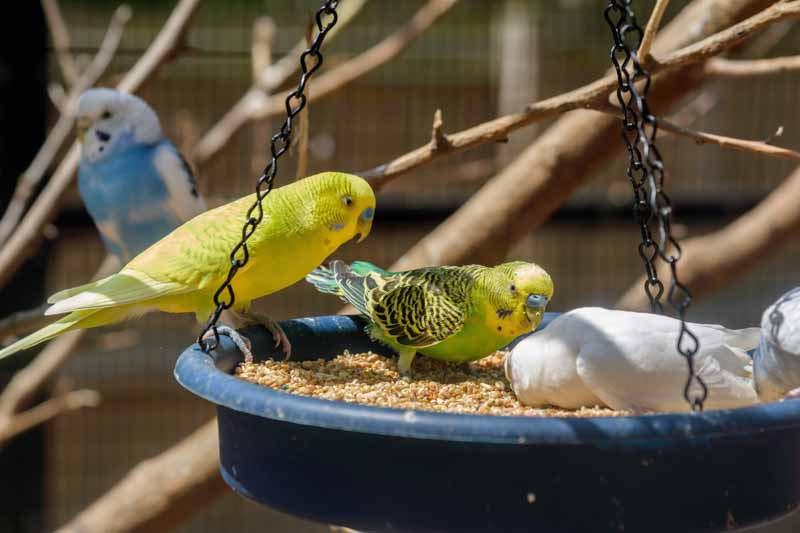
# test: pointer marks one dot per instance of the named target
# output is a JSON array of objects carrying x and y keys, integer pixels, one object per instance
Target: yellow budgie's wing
[
  {"x": 194, "y": 257},
  {"x": 197, "y": 254},
  {"x": 126, "y": 287},
  {"x": 417, "y": 312}
]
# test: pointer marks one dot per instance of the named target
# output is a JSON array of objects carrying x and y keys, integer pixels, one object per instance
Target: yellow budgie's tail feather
[
  {"x": 68, "y": 293},
  {"x": 77, "y": 320}
]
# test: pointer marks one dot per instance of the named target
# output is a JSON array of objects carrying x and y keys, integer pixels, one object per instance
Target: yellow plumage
[{"x": 303, "y": 223}]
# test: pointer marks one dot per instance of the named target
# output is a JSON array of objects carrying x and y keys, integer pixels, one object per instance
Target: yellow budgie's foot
[
  {"x": 405, "y": 360},
  {"x": 250, "y": 317},
  {"x": 241, "y": 342}
]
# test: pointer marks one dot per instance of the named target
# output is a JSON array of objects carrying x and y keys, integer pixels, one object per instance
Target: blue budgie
[{"x": 136, "y": 185}]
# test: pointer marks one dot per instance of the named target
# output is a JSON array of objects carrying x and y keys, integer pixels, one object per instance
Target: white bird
[
  {"x": 776, "y": 363},
  {"x": 629, "y": 361}
]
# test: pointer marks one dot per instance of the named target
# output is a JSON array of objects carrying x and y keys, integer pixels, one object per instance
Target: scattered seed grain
[{"x": 371, "y": 379}]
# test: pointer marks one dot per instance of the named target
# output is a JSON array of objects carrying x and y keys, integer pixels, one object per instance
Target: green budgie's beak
[
  {"x": 365, "y": 223},
  {"x": 535, "y": 305}
]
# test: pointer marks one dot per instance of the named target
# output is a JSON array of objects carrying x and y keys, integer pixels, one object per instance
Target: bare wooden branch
[
  {"x": 731, "y": 143},
  {"x": 742, "y": 145},
  {"x": 22, "y": 243},
  {"x": 305, "y": 123},
  {"x": 160, "y": 493},
  {"x": 47, "y": 410},
  {"x": 60, "y": 35},
  {"x": 591, "y": 96},
  {"x": 745, "y": 68},
  {"x": 272, "y": 77},
  {"x": 256, "y": 105},
  {"x": 33, "y": 175},
  {"x": 738, "y": 247},
  {"x": 439, "y": 140},
  {"x": 261, "y": 47},
  {"x": 529, "y": 190},
  {"x": 30, "y": 379},
  {"x": 22, "y": 322},
  {"x": 650, "y": 31}
]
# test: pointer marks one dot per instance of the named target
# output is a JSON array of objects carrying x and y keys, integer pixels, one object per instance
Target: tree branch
[
  {"x": 740, "y": 68},
  {"x": 60, "y": 35},
  {"x": 160, "y": 493},
  {"x": 33, "y": 175},
  {"x": 22, "y": 243},
  {"x": 272, "y": 77},
  {"x": 732, "y": 143},
  {"x": 738, "y": 247},
  {"x": 650, "y": 31},
  {"x": 258, "y": 106},
  {"x": 22, "y": 322},
  {"x": 591, "y": 96},
  {"x": 30, "y": 379},
  {"x": 48, "y": 410}
]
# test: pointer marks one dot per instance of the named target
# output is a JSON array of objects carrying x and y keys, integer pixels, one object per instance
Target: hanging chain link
[
  {"x": 310, "y": 62},
  {"x": 646, "y": 174}
]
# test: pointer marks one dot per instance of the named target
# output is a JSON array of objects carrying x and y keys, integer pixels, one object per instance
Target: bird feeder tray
[{"x": 380, "y": 469}]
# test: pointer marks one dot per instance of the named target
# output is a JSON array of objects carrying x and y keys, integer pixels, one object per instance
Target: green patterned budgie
[
  {"x": 456, "y": 314},
  {"x": 303, "y": 223}
]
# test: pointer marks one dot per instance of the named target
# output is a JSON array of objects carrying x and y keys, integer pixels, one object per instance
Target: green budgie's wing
[
  {"x": 362, "y": 268},
  {"x": 420, "y": 308}
]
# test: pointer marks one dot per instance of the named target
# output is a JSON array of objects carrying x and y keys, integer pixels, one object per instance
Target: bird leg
[
  {"x": 249, "y": 318},
  {"x": 405, "y": 360},
  {"x": 241, "y": 342}
]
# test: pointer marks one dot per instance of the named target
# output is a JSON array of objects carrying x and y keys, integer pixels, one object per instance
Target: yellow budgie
[{"x": 304, "y": 223}]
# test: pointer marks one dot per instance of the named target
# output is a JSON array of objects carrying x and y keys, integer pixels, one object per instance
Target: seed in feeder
[{"x": 371, "y": 379}]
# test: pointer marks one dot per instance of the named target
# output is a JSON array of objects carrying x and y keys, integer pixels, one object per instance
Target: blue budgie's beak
[
  {"x": 536, "y": 301},
  {"x": 365, "y": 223},
  {"x": 82, "y": 125}
]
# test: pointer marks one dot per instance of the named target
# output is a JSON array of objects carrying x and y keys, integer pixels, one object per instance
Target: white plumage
[
  {"x": 777, "y": 360},
  {"x": 625, "y": 360}
]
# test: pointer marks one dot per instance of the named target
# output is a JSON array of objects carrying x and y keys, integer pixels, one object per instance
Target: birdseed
[{"x": 371, "y": 379}]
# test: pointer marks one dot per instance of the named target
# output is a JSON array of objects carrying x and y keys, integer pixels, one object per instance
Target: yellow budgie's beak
[
  {"x": 83, "y": 124},
  {"x": 364, "y": 224}
]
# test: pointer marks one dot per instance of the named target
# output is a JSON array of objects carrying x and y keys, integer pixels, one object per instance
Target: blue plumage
[{"x": 135, "y": 184}]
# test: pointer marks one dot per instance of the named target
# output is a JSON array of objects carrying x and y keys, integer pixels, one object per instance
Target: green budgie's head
[
  {"x": 531, "y": 289},
  {"x": 345, "y": 204}
]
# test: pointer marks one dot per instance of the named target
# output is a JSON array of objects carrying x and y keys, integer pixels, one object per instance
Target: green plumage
[{"x": 451, "y": 313}]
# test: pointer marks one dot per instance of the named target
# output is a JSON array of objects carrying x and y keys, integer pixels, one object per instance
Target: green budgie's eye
[{"x": 347, "y": 200}]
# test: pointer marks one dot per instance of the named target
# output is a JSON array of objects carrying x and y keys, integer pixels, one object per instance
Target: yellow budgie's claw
[{"x": 241, "y": 342}]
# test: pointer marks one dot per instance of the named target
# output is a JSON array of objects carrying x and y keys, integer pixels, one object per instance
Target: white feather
[{"x": 627, "y": 360}]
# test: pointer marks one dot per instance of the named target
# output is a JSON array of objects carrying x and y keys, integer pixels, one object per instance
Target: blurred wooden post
[{"x": 23, "y": 107}]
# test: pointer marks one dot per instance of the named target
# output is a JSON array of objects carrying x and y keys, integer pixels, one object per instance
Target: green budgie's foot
[
  {"x": 251, "y": 317},
  {"x": 405, "y": 360},
  {"x": 241, "y": 342}
]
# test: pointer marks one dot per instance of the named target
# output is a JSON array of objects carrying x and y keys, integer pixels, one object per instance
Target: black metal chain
[
  {"x": 310, "y": 62},
  {"x": 646, "y": 174}
]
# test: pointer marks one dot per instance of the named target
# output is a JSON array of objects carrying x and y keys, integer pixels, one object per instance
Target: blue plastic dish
[{"x": 377, "y": 469}]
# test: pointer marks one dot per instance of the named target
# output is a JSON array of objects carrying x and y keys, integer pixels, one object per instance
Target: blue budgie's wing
[{"x": 184, "y": 200}]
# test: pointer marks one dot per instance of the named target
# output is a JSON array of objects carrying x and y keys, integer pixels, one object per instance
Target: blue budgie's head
[{"x": 108, "y": 119}]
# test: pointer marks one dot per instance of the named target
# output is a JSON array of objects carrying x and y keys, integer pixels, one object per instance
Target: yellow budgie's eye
[{"x": 347, "y": 200}]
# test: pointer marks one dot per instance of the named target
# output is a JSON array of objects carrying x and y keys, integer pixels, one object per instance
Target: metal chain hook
[
  {"x": 224, "y": 298},
  {"x": 646, "y": 174}
]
